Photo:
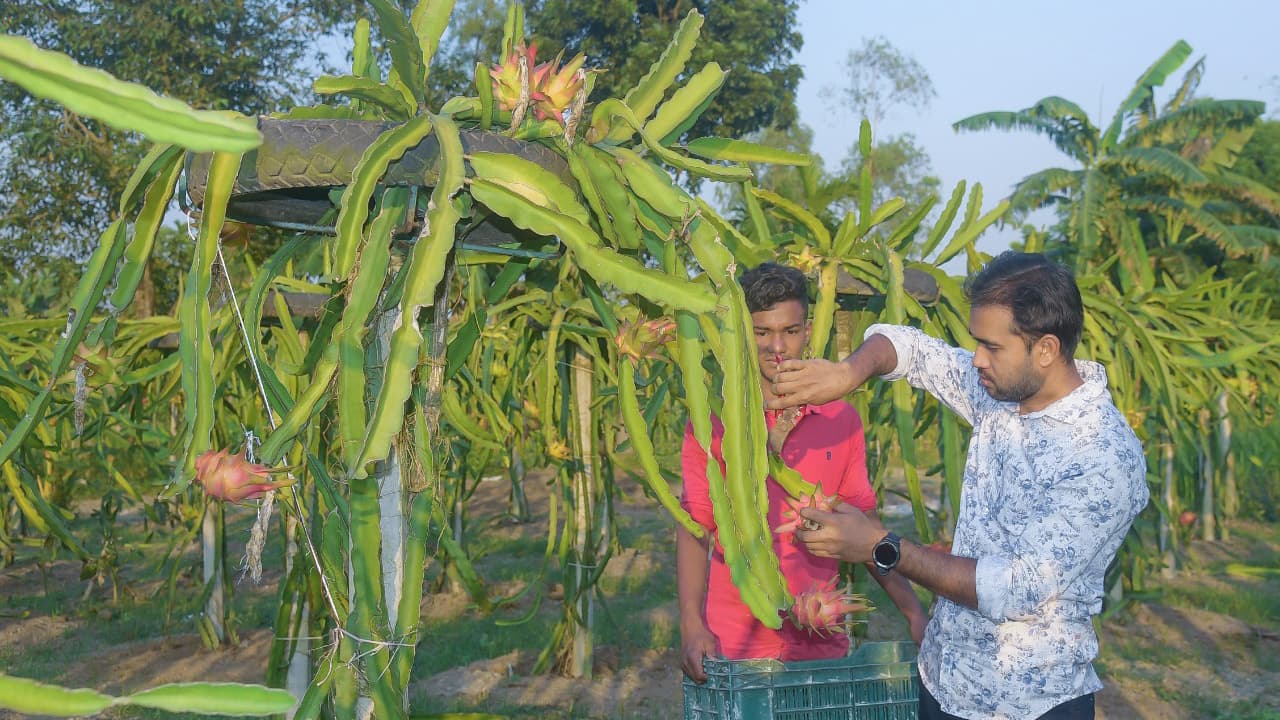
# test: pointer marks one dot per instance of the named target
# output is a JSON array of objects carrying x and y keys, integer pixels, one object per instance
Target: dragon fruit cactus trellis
[{"x": 368, "y": 398}]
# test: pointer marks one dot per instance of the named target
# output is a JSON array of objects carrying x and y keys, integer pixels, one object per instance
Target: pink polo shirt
[{"x": 826, "y": 447}]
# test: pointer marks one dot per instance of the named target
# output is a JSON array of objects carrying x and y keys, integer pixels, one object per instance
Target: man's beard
[{"x": 1021, "y": 388}]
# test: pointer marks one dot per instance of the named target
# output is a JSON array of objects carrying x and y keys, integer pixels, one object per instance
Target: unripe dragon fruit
[
  {"x": 642, "y": 340},
  {"x": 232, "y": 477},
  {"x": 552, "y": 87},
  {"x": 556, "y": 87},
  {"x": 822, "y": 609},
  {"x": 506, "y": 77}
]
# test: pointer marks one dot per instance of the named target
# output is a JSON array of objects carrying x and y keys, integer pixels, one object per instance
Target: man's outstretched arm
[{"x": 801, "y": 382}]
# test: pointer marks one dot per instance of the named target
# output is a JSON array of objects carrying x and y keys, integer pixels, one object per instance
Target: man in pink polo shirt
[{"x": 826, "y": 446}]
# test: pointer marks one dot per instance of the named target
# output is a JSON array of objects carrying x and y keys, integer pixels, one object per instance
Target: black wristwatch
[{"x": 887, "y": 553}]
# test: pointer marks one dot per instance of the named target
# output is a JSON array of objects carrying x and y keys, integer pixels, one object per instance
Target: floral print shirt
[{"x": 1047, "y": 500}]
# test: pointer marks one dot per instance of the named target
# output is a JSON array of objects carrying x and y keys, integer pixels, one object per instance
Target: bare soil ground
[{"x": 1155, "y": 656}]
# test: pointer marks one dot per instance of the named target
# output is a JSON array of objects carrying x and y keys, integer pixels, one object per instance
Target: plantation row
[{"x": 515, "y": 280}]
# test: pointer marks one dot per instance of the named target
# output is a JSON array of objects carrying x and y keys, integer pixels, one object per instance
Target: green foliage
[
  {"x": 1259, "y": 161},
  {"x": 1256, "y": 445},
  {"x": 29, "y": 696},
  {"x": 30, "y": 294},
  {"x": 754, "y": 40},
  {"x": 1143, "y": 160},
  {"x": 475, "y": 36},
  {"x": 899, "y": 168},
  {"x": 126, "y": 106},
  {"x": 823, "y": 193},
  {"x": 880, "y": 80},
  {"x": 60, "y": 169},
  {"x": 1260, "y": 158}
]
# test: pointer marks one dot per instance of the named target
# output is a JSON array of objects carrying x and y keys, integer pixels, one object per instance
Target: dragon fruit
[
  {"x": 791, "y": 520},
  {"x": 552, "y": 87},
  {"x": 642, "y": 340},
  {"x": 232, "y": 477},
  {"x": 506, "y": 77},
  {"x": 556, "y": 87},
  {"x": 822, "y": 608}
]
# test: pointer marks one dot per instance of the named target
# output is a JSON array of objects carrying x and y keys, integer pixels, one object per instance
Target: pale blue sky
[{"x": 1005, "y": 55}]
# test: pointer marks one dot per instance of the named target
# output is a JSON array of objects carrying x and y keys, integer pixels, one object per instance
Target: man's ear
[{"x": 1046, "y": 350}]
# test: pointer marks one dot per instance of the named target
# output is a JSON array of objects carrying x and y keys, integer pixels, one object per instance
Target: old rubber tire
[
  {"x": 916, "y": 283},
  {"x": 286, "y": 181}
]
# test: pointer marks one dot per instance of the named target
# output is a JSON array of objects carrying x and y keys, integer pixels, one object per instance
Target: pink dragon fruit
[
  {"x": 232, "y": 477},
  {"x": 556, "y": 86},
  {"x": 822, "y": 609},
  {"x": 791, "y": 520}
]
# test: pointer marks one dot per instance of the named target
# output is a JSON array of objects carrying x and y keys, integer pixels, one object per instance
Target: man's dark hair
[
  {"x": 769, "y": 283},
  {"x": 1041, "y": 294}
]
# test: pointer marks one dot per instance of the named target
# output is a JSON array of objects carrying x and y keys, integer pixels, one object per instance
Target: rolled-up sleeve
[
  {"x": 932, "y": 365},
  {"x": 1082, "y": 520},
  {"x": 994, "y": 579}
]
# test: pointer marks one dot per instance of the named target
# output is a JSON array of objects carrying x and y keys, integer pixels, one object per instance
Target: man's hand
[
  {"x": 696, "y": 643},
  {"x": 846, "y": 533},
  {"x": 811, "y": 381},
  {"x": 798, "y": 382}
]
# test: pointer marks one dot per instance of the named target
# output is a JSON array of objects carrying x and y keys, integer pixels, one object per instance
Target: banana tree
[{"x": 1136, "y": 144}]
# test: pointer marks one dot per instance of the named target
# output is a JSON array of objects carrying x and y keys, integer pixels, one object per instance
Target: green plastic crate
[{"x": 878, "y": 682}]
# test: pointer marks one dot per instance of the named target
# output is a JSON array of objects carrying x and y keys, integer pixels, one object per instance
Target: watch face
[{"x": 886, "y": 554}]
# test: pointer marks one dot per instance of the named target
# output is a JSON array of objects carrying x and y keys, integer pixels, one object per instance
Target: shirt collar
[{"x": 1075, "y": 404}]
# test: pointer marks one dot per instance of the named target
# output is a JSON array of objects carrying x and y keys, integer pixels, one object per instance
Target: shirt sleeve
[
  {"x": 1083, "y": 518},
  {"x": 695, "y": 497},
  {"x": 932, "y": 365},
  {"x": 855, "y": 488}
]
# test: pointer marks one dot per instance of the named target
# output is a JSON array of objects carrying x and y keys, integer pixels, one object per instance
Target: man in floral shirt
[{"x": 1053, "y": 480}]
